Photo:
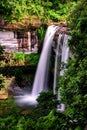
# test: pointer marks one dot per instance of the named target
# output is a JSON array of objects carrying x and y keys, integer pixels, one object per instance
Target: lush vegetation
[
  {"x": 18, "y": 59},
  {"x": 46, "y": 10},
  {"x": 73, "y": 83},
  {"x": 13, "y": 64},
  {"x": 2, "y": 81},
  {"x": 40, "y": 118}
]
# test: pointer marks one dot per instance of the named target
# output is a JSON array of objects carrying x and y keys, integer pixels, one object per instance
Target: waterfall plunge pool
[
  {"x": 25, "y": 101},
  {"x": 41, "y": 76}
]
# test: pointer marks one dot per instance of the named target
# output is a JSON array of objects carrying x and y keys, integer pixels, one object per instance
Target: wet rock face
[
  {"x": 27, "y": 40},
  {"x": 6, "y": 35},
  {"x": 22, "y": 38},
  {"x": 21, "y": 87},
  {"x": 62, "y": 30},
  {"x": 19, "y": 41},
  {"x": 15, "y": 91}
]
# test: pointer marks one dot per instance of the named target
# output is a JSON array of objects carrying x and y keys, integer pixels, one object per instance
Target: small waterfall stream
[
  {"x": 57, "y": 53},
  {"x": 65, "y": 52},
  {"x": 62, "y": 55}
]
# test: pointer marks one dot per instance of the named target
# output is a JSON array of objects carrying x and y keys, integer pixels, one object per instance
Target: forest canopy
[{"x": 46, "y": 10}]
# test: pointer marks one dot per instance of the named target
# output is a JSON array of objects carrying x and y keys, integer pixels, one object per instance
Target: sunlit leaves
[{"x": 44, "y": 10}]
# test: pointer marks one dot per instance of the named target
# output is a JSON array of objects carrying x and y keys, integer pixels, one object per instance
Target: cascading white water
[
  {"x": 42, "y": 70},
  {"x": 64, "y": 57},
  {"x": 63, "y": 50},
  {"x": 40, "y": 82},
  {"x": 62, "y": 45},
  {"x": 56, "y": 63}
]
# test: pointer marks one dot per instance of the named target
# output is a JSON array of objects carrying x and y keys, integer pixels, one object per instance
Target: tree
[
  {"x": 73, "y": 83},
  {"x": 46, "y": 102},
  {"x": 16, "y": 10}
]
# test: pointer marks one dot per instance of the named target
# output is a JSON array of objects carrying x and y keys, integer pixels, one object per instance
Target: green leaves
[
  {"x": 74, "y": 81},
  {"x": 48, "y": 122},
  {"x": 16, "y": 10},
  {"x": 2, "y": 81},
  {"x": 47, "y": 101},
  {"x": 78, "y": 23}
]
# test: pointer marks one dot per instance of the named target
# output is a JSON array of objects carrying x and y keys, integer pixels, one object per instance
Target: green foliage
[
  {"x": 19, "y": 76},
  {"x": 6, "y": 59},
  {"x": 1, "y": 52},
  {"x": 24, "y": 124},
  {"x": 2, "y": 81},
  {"x": 78, "y": 24},
  {"x": 73, "y": 83},
  {"x": 19, "y": 59},
  {"x": 11, "y": 117},
  {"x": 41, "y": 32},
  {"x": 47, "y": 101},
  {"x": 73, "y": 90},
  {"x": 14, "y": 11},
  {"x": 47, "y": 122},
  {"x": 32, "y": 59},
  {"x": 19, "y": 56},
  {"x": 1, "y": 49},
  {"x": 26, "y": 59}
]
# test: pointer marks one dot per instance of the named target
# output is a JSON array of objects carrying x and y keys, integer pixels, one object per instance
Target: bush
[
  {"x": 32, "y": 59},
  {"x": 2, "y": 81},
  {"x": 73, "y": 83},
  {"x": 46, "y": 102}
]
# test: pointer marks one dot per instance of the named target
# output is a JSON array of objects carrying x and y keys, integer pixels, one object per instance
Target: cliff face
[{"x": 27, "y": 24}]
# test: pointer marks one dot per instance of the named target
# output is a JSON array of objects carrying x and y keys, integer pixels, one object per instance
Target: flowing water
[
  {"x": 62, "y": 55},
  {"x": 41, "y": 76},
  {"x": 40, "y": 81},
  {"x": 65, "y": 52},
  {"x": 57, "y": 53}
]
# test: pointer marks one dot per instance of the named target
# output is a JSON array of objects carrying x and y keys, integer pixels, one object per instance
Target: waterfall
[
  {"x": 62, "y": 55},
  {"x": 57, "y": 52},
  {"x": 40, "y": 81},
  {"x": 64, "y": 58},
  {"x": 65, "y": 52},
  {"x": 41, "y": 76}
]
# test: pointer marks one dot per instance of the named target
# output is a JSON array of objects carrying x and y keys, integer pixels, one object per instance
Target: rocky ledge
[{"x": 24, "y": 25}]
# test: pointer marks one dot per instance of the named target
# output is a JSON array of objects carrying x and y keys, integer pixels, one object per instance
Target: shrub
[
  {"x": 47, "y": 101},
  {"x": 2, "y": 81}
]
